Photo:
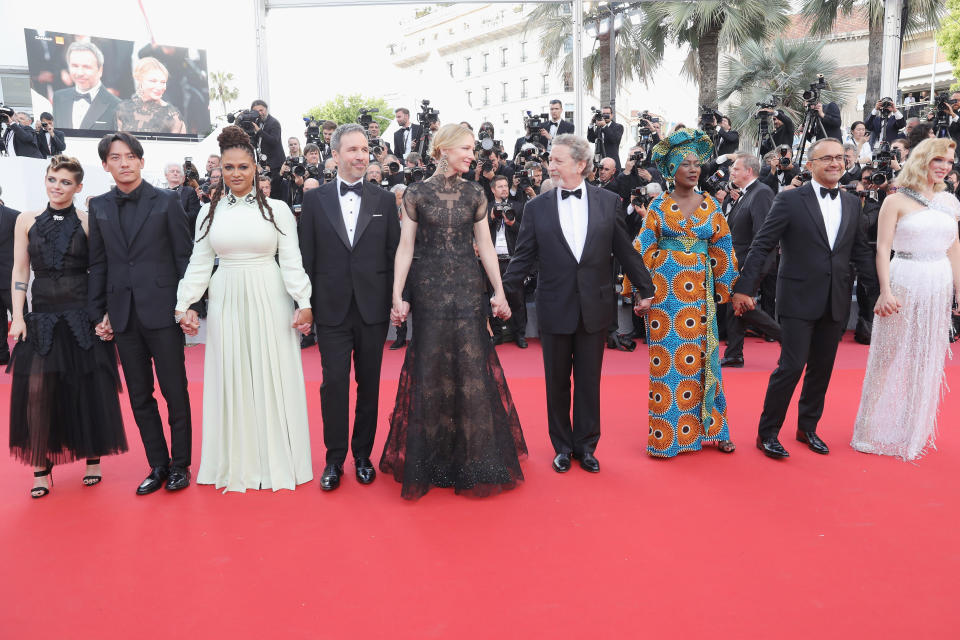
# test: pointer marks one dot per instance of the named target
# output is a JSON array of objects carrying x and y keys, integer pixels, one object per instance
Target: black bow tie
[
  {"x": 404, "y": 128},
  {"x": 576, "y": 193},
  {"x": 357, "y": 188},
  {"x": 833, "y": 192},
  {"x": 77, "y": 97},
  {"x": 122, "y": 197}
]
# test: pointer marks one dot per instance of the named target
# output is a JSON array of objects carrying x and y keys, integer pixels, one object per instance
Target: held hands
[
  {"x": 190, "y": 323},
  {"x": 303, "y": 320},
  {"x": 104, "y": 330},
  {"x": 742, "y": 303},
  {"x": 398, "y": 314},
  {"x": 500, "y": 307},
  {"x": 642, "y": 306},
  {"x": 886, "y": 305}
]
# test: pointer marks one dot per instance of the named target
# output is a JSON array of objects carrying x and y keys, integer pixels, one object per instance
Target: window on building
[
  {"x": 450, "y": 68},
  {"x": 470, "y": 98},
  {"x": 567, "y": 81},
  {"x": 486, "y": 96},
  {"x": 568, "y": 45},
  {"x": 523, "y": 52},
  {"x": 503, "y": 56},
  {"x": 545, "y": 86},
  {"x": 503, "y": 96},
  {"x": 523, "y": 87},
  {"x": 467, "y": 66},
  {"x": 486, "y": 62}
]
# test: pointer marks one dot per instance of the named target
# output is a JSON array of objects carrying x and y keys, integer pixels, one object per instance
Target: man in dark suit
[
  {"x": 782, "y": 134},
  {"x": 505, "y": 214},
  {"x": 895, "y": 122},
  {"x": 830, "y": 117},
  {"x": 609, "y": 133},
  {"x": 349, "y": 231},
  {"x": 49, "y": 140},
  {"x": 88, "y": 104},
  {"x": 557, "y": 126},
  {"x": 8, "y": 222},
  {"x": 139, "y": 249},
  {"x": 745, "y": 220},
  {"x": 20, "y": 138},
  {"x": 271, "y": 140},
  {"x": 819, "y": 231},
  {"x": 173, "y": 172},
  {"x": 407, "y": 135},
  {"x": 571, "y": 232}
]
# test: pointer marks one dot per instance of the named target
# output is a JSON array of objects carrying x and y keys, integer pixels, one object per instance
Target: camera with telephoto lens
[
  {"x": 504, "y": 210},
  {"x": 599, "y": 115},
  {"x": 784, "y": 162},
  {"x": 414, "y": 174},
  {"x": 296, "y": 166},
  {"x": 329, "y": 174},
  {"x": 709, "y": 119},
  {"x": 639, "y": 198},
  {"x": 427, "y": 115},
  {"x": 312, "y": 133},
  {"x": 881, "y": 163},
  {"x": 717, "y": 182},
  {"x": 6, "y": 113},
  {"x": 393, "y": 167},
  {"x": 812, "y": 95},
  {"x": 886, "y": 106},
  {"x": 364, "y": 119},
  {"x": 190, "y": 171},
  {"x": 942, "y": 118},
  {"x": 246, "y": 119},
  {"x": 533, "y": 123}
]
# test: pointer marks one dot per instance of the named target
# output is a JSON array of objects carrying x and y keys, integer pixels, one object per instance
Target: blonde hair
[
  {"x": 446, "y": 137},
  {"x": 146, "y": 65},
  {"x": 913, "y": 175}
]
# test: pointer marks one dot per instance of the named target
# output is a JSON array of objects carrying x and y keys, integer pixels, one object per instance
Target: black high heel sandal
[
  {"x": 39, "y": 492},
  {"x": 89, "y": 481}
]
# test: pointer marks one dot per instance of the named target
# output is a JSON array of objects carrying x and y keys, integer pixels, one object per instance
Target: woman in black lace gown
[
  {"x": 63, "y": 399},
  {"x": 454, "y": 423},
  {"x": 146, "y": 110}
]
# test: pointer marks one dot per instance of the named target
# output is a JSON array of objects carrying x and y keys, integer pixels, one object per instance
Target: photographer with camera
[
  {"x": 526, "y": 180},
  {"x": 783, "y": 129},
  {"x": 379, "y": 148},
  {"x": 556, "y": 125},
  {"x": 392, "y": 170},
  {"x": 608, "y": 133},
  {"x": 294, "y": 173},
  {"x": 406, "y": 138},
  {"x": 504, "y": 215},
  {"x": 490, "y": 166},
  {"x": 884, "y": 112},
  {"x": 374, "y": 173},
  {"x": 49, "y": 140},
  {"x": 779, "y": 174},
  {"x": 271, "y": 138},
  {"x": 19, "y": 137}
]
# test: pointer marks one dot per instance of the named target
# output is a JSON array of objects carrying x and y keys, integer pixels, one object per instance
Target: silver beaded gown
[{"x": 904, "y": 379}]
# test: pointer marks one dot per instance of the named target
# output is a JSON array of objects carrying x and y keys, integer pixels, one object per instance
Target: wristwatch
[{"x": 178, "y": 316}]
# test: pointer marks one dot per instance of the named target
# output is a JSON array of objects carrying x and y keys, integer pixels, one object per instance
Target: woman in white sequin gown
[{"x": 904, "y": 379}]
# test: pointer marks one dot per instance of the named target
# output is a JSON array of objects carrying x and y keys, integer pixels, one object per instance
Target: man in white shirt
[
  {"x": 86, "y": 105},
  {"x": 504, "y": 215},
  {"x": 558, "y": 125}
]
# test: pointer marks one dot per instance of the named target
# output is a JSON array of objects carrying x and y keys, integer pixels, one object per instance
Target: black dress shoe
[
  {"x": 772, "y": 448},
  {"x": 154, "y": 481},
  {"x": 365, "y": 471},
  {"x": 398, "y": 344},
  {"x": 561, "y": 464},
  {"x": 308, "y": 341},
  {"x": 589, "y": 463},
  {"x": 732, "y": 362},
  {"x": 522, "y": 342},
  {"x": 813, "y": 441},
  {"x": 4, "y": 359},
  {"x": 179, "y": 479},
  {"x": 330, "y": 479}
]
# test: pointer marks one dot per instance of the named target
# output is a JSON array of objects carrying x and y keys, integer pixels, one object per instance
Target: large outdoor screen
[{"x": 92, "y": 85}]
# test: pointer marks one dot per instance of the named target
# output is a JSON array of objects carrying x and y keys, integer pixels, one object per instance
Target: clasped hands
[
  {"x": 742, "y": 303},
  {"x": 190, "y": 322},
  {"x": 401, "y": 308}
]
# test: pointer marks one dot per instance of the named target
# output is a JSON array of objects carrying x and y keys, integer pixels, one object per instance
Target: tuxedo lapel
[
  {"x": 113, "y": 215},
  {"x": 97, "y": 108},
  {"x": 813, "y": 209},
  {"x": 593, "y": 215},
  {"x": 366, "y": 210},
  {"x": 331, "y": 206},
  {"x": 148, "y": 198},
  {"x": 848, "y": 213}
]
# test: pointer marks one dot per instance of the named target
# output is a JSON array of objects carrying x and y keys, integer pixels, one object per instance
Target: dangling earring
[{"x": 442, "y": 166}]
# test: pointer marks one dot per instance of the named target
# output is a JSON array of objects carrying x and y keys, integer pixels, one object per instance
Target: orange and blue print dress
[{"x": 693, "y": 268}]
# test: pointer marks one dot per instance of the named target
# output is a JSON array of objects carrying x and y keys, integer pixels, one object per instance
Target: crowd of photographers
[{"x": 512, "y": 174}]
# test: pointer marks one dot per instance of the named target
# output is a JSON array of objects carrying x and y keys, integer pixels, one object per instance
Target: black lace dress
[
  {"x": 454, "y": 423},
  {"x": 63, "y": 400}
]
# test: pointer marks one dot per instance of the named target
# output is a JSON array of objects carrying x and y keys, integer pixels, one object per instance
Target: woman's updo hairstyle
[
  {"x": 446, "y": 137},
  {"x": 233, "y": 137}
]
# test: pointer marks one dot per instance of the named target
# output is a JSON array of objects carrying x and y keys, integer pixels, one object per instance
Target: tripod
[
  {"x": 764, "y": 135},
  {"x": 812, "y": 125}
]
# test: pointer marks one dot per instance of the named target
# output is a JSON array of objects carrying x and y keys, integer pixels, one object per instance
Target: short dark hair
[
  {"x": 310, "y": 147},
  {"x": 555, "y": 101},
  {"x": 855, "y": 123},
  {"x": 103, "y": 148},
  {"x": 403, "y": 110},
  {"x": 259, "y": 103},
  {"x": 328, "y": 125},
  {"x": 497, "y": 178},
  {"x": 46, "y": 115}
]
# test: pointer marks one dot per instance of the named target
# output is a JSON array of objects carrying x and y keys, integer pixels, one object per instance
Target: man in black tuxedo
[
  {"x": 271, "y": 140},
  {"x": 139, "y": 249},
  {"x": 406, "y": 137},
  {"x": 19, "y": 136},
  {"x": 8, "y": 222},
  {"x": 819, "y": 231},
  {"x": 745, "y": 220},
  {"x": 782, "y": 134},
  {"x": 894, "y": 119},
  {"x": 349, "y": 231},
  {"x": 609, "y": 133},
  {"x": 830, "y": 117},
  {"x": 88, "y": 104},
  {"x": 173, "y": 172},
  {"x": 557, "y": 126},
  {"x": 571, "y": 232},
  {"x": 50, "y": 141},
  {"x": 504, "y": 215}
]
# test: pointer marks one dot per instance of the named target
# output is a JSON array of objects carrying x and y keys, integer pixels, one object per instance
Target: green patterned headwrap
[{"x": 670, "y": 152}]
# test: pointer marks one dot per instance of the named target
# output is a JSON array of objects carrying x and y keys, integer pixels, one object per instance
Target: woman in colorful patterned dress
[{"x": 687, "y": 247}]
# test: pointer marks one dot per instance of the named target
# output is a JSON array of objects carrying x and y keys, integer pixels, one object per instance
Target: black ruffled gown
[
  {"x": 454, "y": 423},
  {"x": 64, "y": 402}
]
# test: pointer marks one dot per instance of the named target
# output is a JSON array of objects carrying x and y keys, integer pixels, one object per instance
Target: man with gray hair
[
  {"x": 173, "y": 172},
  {"x": 571, "y": 233},
  {"x": 88, "y": 104},
  {"x": 349, "y": 233},
  {"x": 745, "y": 219}
]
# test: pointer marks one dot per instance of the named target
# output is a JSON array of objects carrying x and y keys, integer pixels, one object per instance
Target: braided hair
[{"x": 233, "y": 137}]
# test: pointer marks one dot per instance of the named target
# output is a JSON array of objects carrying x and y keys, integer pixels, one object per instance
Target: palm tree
[
  {"x": 782, "y": 69},
  {"x": 634, "y": 59},
  {"x": 708, "y": 27},
  {"x": 221, "y": 89},
  {"x": 917, "y": 16}
]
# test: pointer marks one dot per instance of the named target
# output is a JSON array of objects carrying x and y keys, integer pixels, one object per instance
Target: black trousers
[
  {"x": 141, "y": 351},
  {"x": 736, "y": 327},
  {"x": 363, "y": 343},
  {"x": 518, "y": 310},
  {"x": 581, "y": 353},
  {"x": 804, "y": 343}
]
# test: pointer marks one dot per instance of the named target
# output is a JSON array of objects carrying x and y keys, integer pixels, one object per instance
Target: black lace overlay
[
  {"x": 454, "y": 423},
  {"x": 63, "y": 398}
]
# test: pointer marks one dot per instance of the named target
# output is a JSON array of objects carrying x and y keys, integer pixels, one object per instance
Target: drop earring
[{"x": 442, "y": 166}]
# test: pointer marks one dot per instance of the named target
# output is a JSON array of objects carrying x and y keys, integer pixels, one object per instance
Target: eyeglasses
[{"x": 829, "y": 159}]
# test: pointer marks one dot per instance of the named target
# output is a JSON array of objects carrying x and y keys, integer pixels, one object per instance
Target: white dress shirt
[
  {"x": 9, "y": 141},
  {"x": 80, "y": 107},
  {"x": 574, "y": 214},
  {"x": 832, "y": 210},
  {"x": 349, "y": 207}
]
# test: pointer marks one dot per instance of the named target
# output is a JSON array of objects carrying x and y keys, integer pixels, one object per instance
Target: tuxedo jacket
[
  {"x": 568, "y": 290},
  {"x": 812, "y": 277},
  {"x": 24, "y": 141},
  {"x": 831, "y": 123},
  {"x": 57, "y": 143},
  {"x": 144, "y": 270},
  {"x": 102, "y": 114},
  {"x": 610, "y": 136},
  {"x": 747, "y": 217},
  {"x": 8, "y": 222},
  {"x": 191, "y": 205},
  {"x": 341, "y": 272},
  {"x": 399, "y": 149},
  {"x": 272, "y": 145}
]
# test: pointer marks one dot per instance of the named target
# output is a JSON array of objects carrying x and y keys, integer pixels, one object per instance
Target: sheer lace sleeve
[
  {"x": 410, "y": 200},
  {"x": 480, "y": 212},
  {"x": 197, "y": 276},
  {"x": 291, "y": 263}
]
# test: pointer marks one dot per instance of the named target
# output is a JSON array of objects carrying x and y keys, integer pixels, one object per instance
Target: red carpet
[{"x": 701, "y": 546}]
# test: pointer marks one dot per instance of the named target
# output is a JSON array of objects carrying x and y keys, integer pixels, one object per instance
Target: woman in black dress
[
  {"x": 63, "y": 400},
  {"x": 454, "y": 423}
]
